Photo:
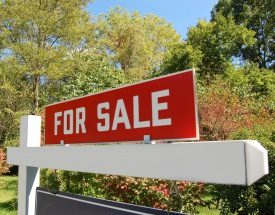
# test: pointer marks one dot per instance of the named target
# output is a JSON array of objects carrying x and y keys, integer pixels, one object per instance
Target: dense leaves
[
  {"x": 39, "y": 35},
  {"x": 181, "y": 56},
  {"x": 135, "y": 43},
  {"x": 142, "y": 191},
  {"x": 210, "y": 47},
  {"x": 259, "y": 16},
  {"x": 92, "y": 75},
  {"x": 4, "y": 167},
  {"x": 14, "y": 102}
]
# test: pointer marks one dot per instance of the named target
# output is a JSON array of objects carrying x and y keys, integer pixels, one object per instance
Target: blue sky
[{"x": 181, "y": 13}]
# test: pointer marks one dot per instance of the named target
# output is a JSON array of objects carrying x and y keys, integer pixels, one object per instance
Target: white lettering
[
  {"x": 120, "y": 108},
  {"x": 56, "y": 122},
  {"x": 156, "y": 107},
  {"x": 137, "y": 123},
  {"x": 105, "y": 116},
  {"x": 80, "y": 120},
  {"x": 68, "y": 128}
]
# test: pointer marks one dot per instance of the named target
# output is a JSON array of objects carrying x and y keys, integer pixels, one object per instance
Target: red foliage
[
  {"x": 135, "y": 190},
  {"x": 4, "y": 167},
  {"x": 222, "y": 113},
  {"x": 143, "y": 191}
]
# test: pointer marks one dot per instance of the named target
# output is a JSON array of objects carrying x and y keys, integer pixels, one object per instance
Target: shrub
[
  {"x": 221, "y": 111},
  {"x": 260, "y": 197},
  {"x": 239, "y": 106},
  {"x": 141, "y": 191},
  {"x": 4, "y": 167}
]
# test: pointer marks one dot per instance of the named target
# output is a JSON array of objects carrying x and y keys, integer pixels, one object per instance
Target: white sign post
[
  {"x": 240, "y": 162},
  {"x": 28, "y": 180}
]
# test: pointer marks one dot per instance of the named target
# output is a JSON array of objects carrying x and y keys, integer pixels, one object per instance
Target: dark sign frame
[{"x": 56, "y": 203}]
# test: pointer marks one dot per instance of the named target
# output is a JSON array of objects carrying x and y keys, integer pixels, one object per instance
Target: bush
[
  {"x": 260, "y": 197},
  {"x": 240, "y": 105},
  {"x": 253, "y": 83},
  {"x": 221, "y": 111},
  {"x": 141, "y": 191},
  {"x": 4, "y": 167}
]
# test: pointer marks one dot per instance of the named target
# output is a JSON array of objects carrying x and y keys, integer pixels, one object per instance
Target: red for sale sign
[{"x": 164, "y": 108}]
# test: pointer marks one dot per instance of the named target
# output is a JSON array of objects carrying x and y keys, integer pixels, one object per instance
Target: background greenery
[
  {"x": 53, "y": 50},
  {"x": 8, "y": 195}
]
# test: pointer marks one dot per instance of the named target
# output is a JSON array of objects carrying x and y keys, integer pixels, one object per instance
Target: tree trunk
[{"x": 35, "y": 94}]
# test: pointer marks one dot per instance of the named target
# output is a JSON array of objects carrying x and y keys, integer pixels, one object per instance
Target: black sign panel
[{"x": 57, "y": 203}]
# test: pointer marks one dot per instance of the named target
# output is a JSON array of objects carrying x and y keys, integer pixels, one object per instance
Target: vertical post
[
  {"x": 147, "y": 140},
  {"x": 29, "y": 177}
]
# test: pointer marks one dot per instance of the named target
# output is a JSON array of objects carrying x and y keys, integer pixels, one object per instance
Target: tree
[
  {"x": 14, "y": 101},
  {"x": 135, "y": 43},
  {"x": 256, "y": 15},
  {"x": 92, "y": 74},
  {"x": 251, "y": 82},
  {"x": 181, "y": 56},
  {"x": 210, "y": 47},
  {"x": 219, "y": 42},
  {"x": 41, "y": 37}
]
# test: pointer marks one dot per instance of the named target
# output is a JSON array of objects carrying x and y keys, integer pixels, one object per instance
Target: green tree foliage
[
  {"x": 251, "y": 82},
  {"x": 181, "y": 56},
  {"x": 219, "y": 41},
  {"x": 210, "y": 47},
  {"x": 41, "y": 36},
  {"x": 256, "y": 15},
  {"x": 14, "y": 102},
  {"x": 135, "y": 43},
  {"x": 92, "y": 74}
]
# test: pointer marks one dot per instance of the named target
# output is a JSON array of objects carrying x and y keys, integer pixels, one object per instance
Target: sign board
[
  {"x": 164, "y": 108},
  {"x": 71, "y": 204}
]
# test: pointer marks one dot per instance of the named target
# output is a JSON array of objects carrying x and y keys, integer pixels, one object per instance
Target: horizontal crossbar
[{"x": 239, "y": 162}]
